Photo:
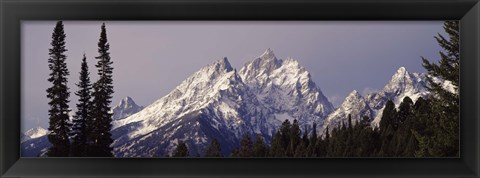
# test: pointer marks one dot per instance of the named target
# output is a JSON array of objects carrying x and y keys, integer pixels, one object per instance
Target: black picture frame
[{"x": 14, "y": 11}]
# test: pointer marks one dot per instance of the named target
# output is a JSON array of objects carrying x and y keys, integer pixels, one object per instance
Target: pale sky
[{"x": 152, "y": 57}]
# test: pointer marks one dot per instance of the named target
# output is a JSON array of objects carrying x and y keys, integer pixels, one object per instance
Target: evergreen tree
[
  {"x": 295, "y": 139},
  {"x": 58, "y": 94},
  {"x": 276, "y": 149},
  {"x": 260, "y": 149},
  {"x": 82, "y": 116},
  {"x": 424, "y": 118},
  {"x": 305, "y": 138},
  {"x": 388, "y": 115},
  {"x": 312, "y": 142},
  {"x": 444, "y": 103},
  {"x": 404, "y": 110},
  {"x": 322, "y": 146},
  {"x": 365, "y": 122},
  {"x": 285, "y": 134},
  {"x": 214, "y": 149},
  {"x": 349, "y": 121},
  {"x": 327, "y": 134},
  {"x": 332, "y": 144},
  {"x": 235, "y": 153},
  {"x": 246, "y": 146},
  {"x": 300, "y": 150},
  {"x": 411, "y": 147},
  {"x": 100, "y": 136},
  {"x": 387, "y": 129},
  {"x": 181, "y": 150}
]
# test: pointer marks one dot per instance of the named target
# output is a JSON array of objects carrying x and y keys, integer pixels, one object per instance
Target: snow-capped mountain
[
  {"x": 354, "y": 105},
  {"x": 286, "y": 87},
  {"x": 402, "y": 84},
  {"x": 34, "y": 142},
  {"x": 211, "y": 103},
  {"x": 33, "y": 133},
  {"x": 35, "y": 147},
  {"x": 125, "y": 108},
  {"x": 219, "y": 102}
]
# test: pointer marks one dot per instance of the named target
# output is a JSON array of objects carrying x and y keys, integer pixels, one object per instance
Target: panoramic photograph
[{"x": 233, "y": 89}]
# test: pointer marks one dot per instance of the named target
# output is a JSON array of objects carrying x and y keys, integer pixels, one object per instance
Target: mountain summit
[
  {"x": 286, "y": 87},
  {"x": 125, "y": 108},
  {"x": 354, "y": 105},
  {"x": 219, "y": 102},
  {"x": 401, "y": 85},
  {"x": 34, "y": 133}
]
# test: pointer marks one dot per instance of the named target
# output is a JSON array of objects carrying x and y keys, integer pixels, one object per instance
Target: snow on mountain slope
[
  {"x": 34, "y": 142},
  {"x": 34, "y": 133},
  {"x": 212, "y": 100},
  {"x": 286, "y": 87},
  {"x": 125, "y": 108},
  {"x": 219, "y": 102},
  {"x": 35, "y": 147},
  {"x": 192, "y": 94},
  {"x": 402, "y": 84},
  {"x": 354, "y": 105}
]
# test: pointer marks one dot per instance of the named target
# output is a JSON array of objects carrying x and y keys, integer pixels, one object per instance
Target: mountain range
[
  {"x": 34, "y": 142},
  {"x": 401, "y": 85},
  {"x": 220, "y": 102}
]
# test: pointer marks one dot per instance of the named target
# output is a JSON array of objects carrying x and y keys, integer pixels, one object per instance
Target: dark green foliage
[
  {"x": 285, "y": 134},
  {"x": 404, "y": 110},
  {"x": 83, "y": 114},
  {"x": 58, "y": 95},
  {"x": 246, "y": 147},
  {"x": 277, "y": 149},
  {"x": 294, "y": 138},
  {"x": 444, "y": 138},
  {"x": 399, "y": 135},
  {"x": 305, "y": 138},
  {"x": 300, "y": 150},
  {"x": 311, "y": 151},
  {"x": 99, "y": 139},
  {"x": 388, "y": 116},
  {"x": 181, "y": 150},
  {"x": 260, "y": 149},
  {"x": 214, "y": 149},
  {"x": 349, "y": 121},
  {"x": 426, "y": 128}
]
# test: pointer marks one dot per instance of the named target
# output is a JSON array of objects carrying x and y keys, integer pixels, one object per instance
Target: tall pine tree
[
  {"x": 181, "y": 150},
  {"x": 214, "y": 149},
  {"x": 246, "y": 146},
  {"x": 83, "y": 114},
  {"x": 445, "y": 139},
  {"x": 260, "y": 149},
  {"x": 59, "y": 95},
  {"x": 312, "y": 141},
  {"x": 295, "y": 138},
  {"x": 277, "y": 149},
  {"x": 100, "y": 137}
]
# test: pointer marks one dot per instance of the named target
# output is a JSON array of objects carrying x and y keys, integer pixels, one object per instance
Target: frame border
[{"x": 12, "y": 12}]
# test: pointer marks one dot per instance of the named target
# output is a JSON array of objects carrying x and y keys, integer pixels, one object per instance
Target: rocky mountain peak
[
  {"x": 223, "y": 64},
  {"x": 268, "y": 55},
  {"x": 125, "y": 108}
]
